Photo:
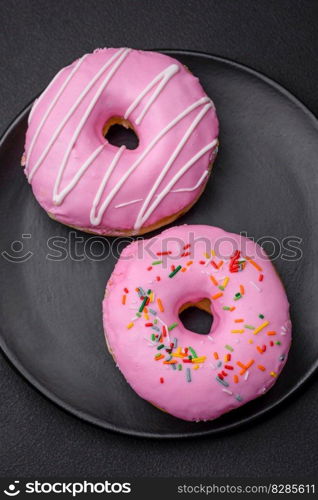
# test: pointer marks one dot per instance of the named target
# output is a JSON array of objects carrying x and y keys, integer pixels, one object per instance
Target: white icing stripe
[
  {"x": 164, "y": 76},
  {"x": 177, "y": 176},
  {"x": 72, "y": 110},
  {"x": 150, "y": 146},
  {"x": 170, "y": 162},
  {"x": 84, "y": 119},
  {"x": 128, "y": 203},
  {"x": 51, "y": 106},
  {"x": 193, "y": 188},
  {"x": 96, "y": 219},
  {"x": 60, "y": 197}
]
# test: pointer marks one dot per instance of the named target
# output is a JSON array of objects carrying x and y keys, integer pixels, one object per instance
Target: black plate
[{"x": 264, "y": 182}]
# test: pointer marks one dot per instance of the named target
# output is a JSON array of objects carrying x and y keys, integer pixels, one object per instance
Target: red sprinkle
[
  {"x": 126, "y": 290},
  {"x": 201, "y": 262},
  {"x": 185, "y": 254},
  {"x": 173, "y": 267},
  {"x": 158, "y": 278},
  {"x": 186, "y": 246},
  {"x": 271, "y": 343},
  {"x": 164, "y": 331},
  {"x": 148, "y": 324},
  {"x": 261, "y": 277},
  {"x": 228, "y": 367},
  {"x": 162, "y": 380},
  {"x": 214, "y": 264},
  {"x": 164, "y": 253},
  {"x": 149, "y": 268},
  {"x": 220, "y": 376}
]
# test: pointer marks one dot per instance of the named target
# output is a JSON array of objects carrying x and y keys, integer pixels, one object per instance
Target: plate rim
[{"x": 84, "y": 416}]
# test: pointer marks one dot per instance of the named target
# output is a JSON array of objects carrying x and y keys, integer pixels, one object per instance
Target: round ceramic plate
[{"x": 264, "y": 182}]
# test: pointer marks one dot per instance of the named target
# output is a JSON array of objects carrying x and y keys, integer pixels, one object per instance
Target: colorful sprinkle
[
  {"x": 175, "y": 271},
  {"x": 217, "y": 295},
  {"x": 188, "y": 375},
  {"x": 260, "y": 328},
  {"x": 160, "y": 305},
  {"x": 229, "y": 347}
]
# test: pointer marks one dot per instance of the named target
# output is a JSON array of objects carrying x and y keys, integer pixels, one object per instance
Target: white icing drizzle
[
  {"x": 96, "y": 219},
  {"x": 84, "y": 119},
  {"x": 169, "y": 163},
  {"x": 150, "y": 146},
  {"x": 128, "y": 203},
  {"x": 52, "y": 104},
  {"x": 193, "y": 188},
  {"x": 164, "y": 76},
  {"x": 173, "y": 181},
  {"x": 73, "y": 109},
  {"x": 62, "y": 194}
]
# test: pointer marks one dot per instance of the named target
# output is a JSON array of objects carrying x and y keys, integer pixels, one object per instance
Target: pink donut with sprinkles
[
  {"x": 191, "y": 376},
  {"x": 84, "y": 181}
]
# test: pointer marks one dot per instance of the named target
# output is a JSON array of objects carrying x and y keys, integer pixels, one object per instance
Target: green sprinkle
[
  {"x": 177, "y": 269},
  {"x": 171, "y": 327},
  {"x": 156, "y": 262},
  {"x": 141, "y": 308},
  {"x": 138, "y": 314},
  {"x": 194, "y": 354},
  {"x": 223, "y": 382},
  {"x": 221, "y": 287},
  {"x": 188, "y": 374},
  {"x": 250, "y": 327},
  {"x": 161, "y": 346},
  {"x": 237, "y": 296},
  {"x": 261, "y": 316},
  {"x": 155, "y": 321},
  {"x": 226, "y": 308},
  {"x": 278, "y": 342},
  {"x": 153, "y": 337},
  {"x": 149, "y": 292},
  {"x": 229, "y": 347},
  {"x": 179, "y": 367},
  {"x": 157, "y": 355}
]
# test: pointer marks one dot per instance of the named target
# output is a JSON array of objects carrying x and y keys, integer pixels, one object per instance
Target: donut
[
  {"x": 192, "y": 376},
  {"x": 84, "y": 181}
]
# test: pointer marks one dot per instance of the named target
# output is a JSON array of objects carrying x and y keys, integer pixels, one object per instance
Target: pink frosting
[
  {"x": 84, "y": 181},
  {"x": 250, "y": 337}
]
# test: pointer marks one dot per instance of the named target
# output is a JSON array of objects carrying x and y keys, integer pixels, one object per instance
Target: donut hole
[
  {"x": 120, "y": 132},
  {"x": 197, "y": 316}
]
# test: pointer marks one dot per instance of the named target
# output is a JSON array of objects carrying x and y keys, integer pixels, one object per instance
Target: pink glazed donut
[
  {"x": 82, "y": 180},
  {"x": 191, "y": 376}
]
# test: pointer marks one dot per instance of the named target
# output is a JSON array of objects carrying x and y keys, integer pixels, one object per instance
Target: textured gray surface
[{"x": 36, "y": 39}]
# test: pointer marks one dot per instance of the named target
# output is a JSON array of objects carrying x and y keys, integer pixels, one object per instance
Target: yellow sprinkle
[
  {"x": 196, "y": 367},
  {"x": 259, "y": 328},
  {"x": 151, "y": 296},
  {"x": 213, "y": 253},
  {"x": 207, "y": 255},
  {"x": 178, "y": 355},
  {"x": 237, "y": 331},
  {"x": 273, "y": 374},
  {"x": 146, "y": 316},
  {"x": 225, "y": 282},
  {"x": 179, "y": 350},
  {"x": 251, "y": 341},
  {"x": 199, "y": 360},
  {"x": 130, "y": 325}
]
